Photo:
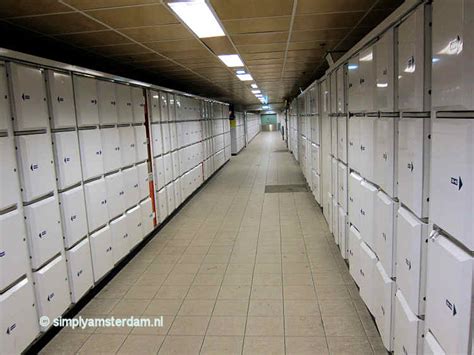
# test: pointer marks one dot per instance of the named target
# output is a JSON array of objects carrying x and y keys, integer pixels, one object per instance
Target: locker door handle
[
  {"x": 94, "y": 101},
  {"x": 25, "y": 97},
  {"x": 60, "y": 99}
]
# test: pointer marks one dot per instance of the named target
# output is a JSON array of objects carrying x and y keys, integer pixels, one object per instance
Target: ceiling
[{"x": 282, "y": 42}]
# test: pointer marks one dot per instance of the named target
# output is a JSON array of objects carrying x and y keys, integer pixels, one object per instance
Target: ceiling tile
[
  {"x": 319, "y": 35},
  {"x": 269, "y": 24},
  {"x": 14, "y": 8},
  {"x": 253, "y": 62},
  {"x": 90, "y": 39},
  {"x": 119, "y": 49},
  {"x": 236, "y": 9},
  {"x": 219, "y": 45},
  {"x": 99, "y": 4},
  {"x": 327, "y": 6},
  {"x": 158, "y": 33},
  {"x": 140, "y": 57},
  {"x": 269, "y": 55},
  {"x": 259, "y": 48},
  {"x": 318, "y": 46},
  {"x": 316, "y": 22},
  {"x": 260, "y": 38},
  {"x": 176, "y": 46}
]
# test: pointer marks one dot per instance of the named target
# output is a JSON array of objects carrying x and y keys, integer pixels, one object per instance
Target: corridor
[{"x": 236, "y": 271}]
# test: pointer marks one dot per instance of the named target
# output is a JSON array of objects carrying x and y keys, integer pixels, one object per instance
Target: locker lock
[
  {"x": 60, "y": 99},
  {"x": 25, "y": 96},
  {"x": 410, "y": 166}
]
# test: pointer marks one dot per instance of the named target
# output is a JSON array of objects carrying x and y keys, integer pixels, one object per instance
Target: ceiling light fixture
[
  {"x": 197, "y": 15},
  {"x": 231, "y": 60},
  {"x": 245, "y": 77},
  {"x": 256, "y": 92},
  {"x": 240, "y": 71},
  {"x": 254, "y": 86}
]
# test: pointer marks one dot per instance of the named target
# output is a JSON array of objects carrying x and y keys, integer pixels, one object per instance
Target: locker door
[
  {"x": 135, "y": 232},
  {"x": 132, "y": 191},
  {"x": 123, "y": 94},
  {"x": 354, "y": 254},
  {"x": 175, "y": 160},
  {"x": 368, "y": 259},
  {"x": 168, "y": 166},
  {"x": 329, "y": 209},
  {"x": 334, "y": 184},
  {"x": 367, "y": 147},
  {"x": 342, "y": 138},
  {"x": 412, "y": 235},
  {"x": 340, "y": 84},
  {"x": 138, "y": 102},
  {"x": 164, "y": 107},
  {"x": 408, "y": 328},
  {"x": 5, "y": 114},
  {"x": 385, "y": 289},
  {"x": 159, "y": 173},
  {"x": 127, "y": 145},
  {"x": 156, "y": 139},
  {"x": 353, "y": 151},
  {"x": 384, "y": 165},
  {"x": 452, "y": 173},
  {"x": 368, "y": 199},
  {"x": 141, "y": 143},
  {"x": 431, "y": 345},
  {"x": 342, "y": 183},
  {"x": 35, "y": 161},
  {"x": 147, "y": 216},
  {"x": 101, "y": 252},
  {"x": 452, "y": 60},
  {"x": 385, "y": 210},
  {"x": 162, "y": 202},
  {"x": 334, "y": 136},
  {"x": 14, "y": 260},
  {"x": 177, "y": 192},
  {"x": 315, "y": 129},
  {"x": 449, "y": 290},
  {"x": 121, "y": 244},
  {"x": 172, "y": 107},
  {"x": 143, "y": 180},
  {"x": 112, "y": 155},
  {"x": 353, "y": 86},
  {"x": 367, "y": 79},
  {"x": 68, "y": 163},
  {"x": 342, "y": 231},
  {"x": 63, "y": 113},
  {"x": 174, "y": 137},
  {"x": 316, "y": 187},
  {"x": 9, "y": 189},
  {"x": 29, "y": 98},
  {"x": 155, "y": 106},
  {"x": 52, "y": 290},
  {"x": 411, "y": 62},
  {"x": 79, "y": 266},
  {"x": 170, "y": 197},
  {"x": 73, "y": 215},
  {"x": 412, "y": 189},
  {"x": 165, "y": 131},
  {"x": 19, "y": 318},
  {"x": 43, "y": 226},
  {"x": 85, "y": 94},
  {"x": 335, "y": 221},
  {"x": 385, "y": 66},
  {"x": 90, "y": 146},
  {"x": 107, "y": 102},
  {"x": 115, "y": 194},
  {"x": 96, "y": 204}
]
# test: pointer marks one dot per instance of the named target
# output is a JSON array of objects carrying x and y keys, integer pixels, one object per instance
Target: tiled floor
[{"x": 237, "y": 271}]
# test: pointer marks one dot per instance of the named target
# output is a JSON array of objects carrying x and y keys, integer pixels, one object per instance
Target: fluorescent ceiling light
[
  {"x": 245, "y": 77},
  {"x": 259, "y": 95},
  {"x": 256, "y": 91},
  {"x": 352, "y": 66},
  {"x": 367, "y": 58},
  {"x": 382, "y": 85},
  {"x": 240, "y": 71},
  {"x": 266, "y": 107},
  {"x": 254, "y": 86},
  {"x": 197, "y": 15},
  {"x": 231, "y": 60}
]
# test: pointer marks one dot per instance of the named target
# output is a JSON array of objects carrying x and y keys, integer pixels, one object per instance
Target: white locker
[
  {"x": 155, "y": 104},
  {"x": 141, "y": 143},
  {"x": 408, "y": 328},
  {"x": 334, "y": 142},
  {"x": 138, "y": 102},
  {"x": 368, "y": 261},
  {"x": 354, "y": 254},
  {"x": 121, "y": 243},
  {"x": 449, "y": 290},
  {"x": 68, "y": 162},
  {"x": 353, "y": 151},
  {"x": 90, "y": 146},
  {"x": 157, "y": 145},
  {"x": 14, "y": 260},
  {"x": 174, "y": 137},
  {"x": 385, "y": 289},
  {"x": 342, "y": 231},
  {"x": 412, "y": 235},
  {"x": 9, "y": 188},
  {"x": 411, "y": 62},
  {"x": 452, "y": 173},
  {"x": 314, "y": 129},
  {"x": 123, "y": 94},
  {"x": 52, "y": 290},
  {"x": 342, "y": 185},
  {"x": 63, "y": 114},
  {"x": 354, "y": 99},
  {"x": 96, "y": 204},
  {"x": 107, "y": 102},
  {"x": 385, "y": 66},
  {"x": 111, "y": 154},
  {"x": 134, "y": 222},
  {"x": 384, "y": 234},
  {"x": 5, "y": 114},
  {"x": 367, "y": 147},
  {"x": 127, "y": 145},
  {"x": 85, "y": 94},
  {"x": 452, "y": 56},
  {"x": 386, "y": 136},
  {"x": 79, "y": 267},
  {"x": 143, "y": 180},
  {"x": 175, "y": 160},
  {"x": 342, "y": 138},
  {"x": 115, "y": 194},
  {"x": 43, "y": 226},
  {"x": 368, "y": 198},
  {"x": 147, "y": 215},
  {"x": 316, "y": 187},
  {"x": 168, "y": 168},
  {"x": 28, "y": 97},
  {"x": 431, "y": 345},
  {"x": 19, "y": 320},
  {"x": 162, "y": 203},
  {"x": 35, "y": 161},
  {"x": 73, "y": 215},
  {"x": 341, "y": 87},
  {"x": 165, "y": 133},
  {"x": 101, "y": 252},
  {"x": 164, "y": 106},
  {"x": 354, "y": 200},
  {"x": 367, "y": 74},
  {"x": 177, "y": 192},
  {"x": 412, "y": 154},
  {"x": 159, "y": 173},
  {"x": 131, "y": 186},
  {"x": 334, "y": 181},
  {"x": 170, "y": 198}
]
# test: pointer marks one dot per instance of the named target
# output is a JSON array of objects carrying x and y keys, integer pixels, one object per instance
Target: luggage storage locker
[
  {"x": 147, "y": 214},
  {"x": 353, "y": 151},
  {"x": 342, "y": 183},
  {"x": 131, "y": 186},
  {"x": 101, "y": 252},
  {"x": 86, "y": 99},
  {"x": 123, "y": 96},
  {"x": 155, "y": 104},
  {"x": 386, "y": 145},
  {"x": 408, "y": 328},
  {"x": 111, "y": 149},
  {"x": 95, "y": 193},
  {"x": 79, "y": 265},
  {"x": 384, "y": 233},
  {"x": 385, "y": 289},
  {"x": 368, "y": 261},
  {"x": 127, "y": 145},
  {"x": 9, "y": 188},
  {"x": 431, "y": 345},
  {"x": 354, "y": 99},
  {"x": 73, "y": 215},
  {"x": 90, "y": 145},
  {"x": 138, "y": 104},
  {"x": 159, "y": 173},
  {"x": 335, "y": 220},
  {"x": 143, "y": 180},
  {"x": 115, "y": 194},
  {"x": 367, "y": 147},
  {"x": 141, "y": 143},
  {"x": 157, "y": 144},
  {"x": 5, "y": 114},
  {"x": 164, "y": 106},
  {"x": 134, "y": 221},
  {"x": 121, "y": 241},
  {"x": 107, "y": 102},
  {"x": 367, "y": 74},
  {"x": 342, "y": 230},
  {"x": 354, "y": 254},
  {"x": 342, "y": 138},
  {"x": 68, "y": 163},
  {"x": 368, "y": 197},
  {"x": 170, "y": 197},
  {"x": 62, "y": 111},
  {"x": 385, "y": 72}
]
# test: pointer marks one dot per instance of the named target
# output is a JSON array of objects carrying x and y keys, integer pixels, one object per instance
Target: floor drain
[{"x": 272, "y": 189}]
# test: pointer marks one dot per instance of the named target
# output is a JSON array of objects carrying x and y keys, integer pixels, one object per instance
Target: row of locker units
[
  {"x": 237, "y": 132},
  {"x": 254, "y": 125}
]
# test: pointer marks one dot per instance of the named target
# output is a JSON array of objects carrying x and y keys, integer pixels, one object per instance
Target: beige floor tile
[
  {"x": 234, "y": 292},
  {"x": 172, "y": 292},
  {"x": 129, "y": 308},
  {"x": 163, "y": 330},
  {"x": 306, "y": 345},
  {"x": 141, "y": 344},
  {"x": 198, "y": 292},
  {"x": 227, "y": 325},
  {"x": 196, "y": 307},
  {"x": 99, "y": 306},
  {"x": 189, "y": 325},
  {"x": 267, "y": 280},
  {"x": 273, "y": 268},
  {"x": 165, "y": 307},
  {"x": 102, "y": 343},
  {"x": 349, "y": 345},
  {"x": 234, "y": 279},
  {"x": 266, "y": 308},
  {"x": 66, "y": 343},
  {"x": 141, "y": 292},
  {"x": 230, "y": 308},
  {"x": 299, "y": 293},
  {"x": 304, "y": 326},
  {"x": 343, "y": 326},
  {"x": 208, "y": 279},
  {"x": 264, "y": 345},
  {"x": 337, "y": 307},
  {"x": 264, "y": 326},
  {"x": 220, "y": 345},
  {"x": 186, "y": 268},
  {"x": 180, "y": 345},
  {"x": 266, "y": 293},
  {"x": 179, "y": 279},
  {"x": 297, "y": 280}
]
